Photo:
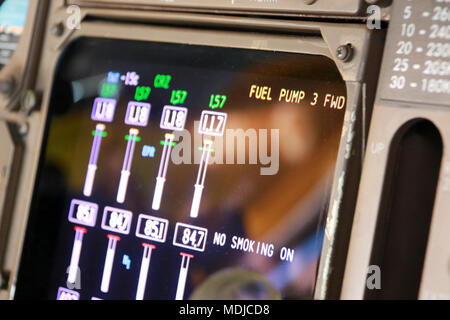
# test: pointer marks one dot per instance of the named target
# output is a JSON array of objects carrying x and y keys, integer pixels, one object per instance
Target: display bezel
[{"x": 252, "y": 33}]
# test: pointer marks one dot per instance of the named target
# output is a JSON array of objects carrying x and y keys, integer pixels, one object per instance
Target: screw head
[
  {"x": 22, "y": 129},
  {"x": 6, "y": 86},
  {"x": 344, "y": 52},
  {"x": 28, "y": 101},
  {"x": 57, "y": 29}
]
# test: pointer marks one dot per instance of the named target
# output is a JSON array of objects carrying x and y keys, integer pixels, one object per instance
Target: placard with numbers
[
  {"x": 418, "y": 52},
  {"x": 117, "y": 220},
  {"x": 152, "y": 228},
  {"x": 83, "y": 212},
  {"x": 190, "y": 237},
  {"x": 212, "y": 123},
  {"x": 173, "y": 118}
]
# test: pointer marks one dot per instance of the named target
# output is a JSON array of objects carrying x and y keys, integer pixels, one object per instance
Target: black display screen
[{"x": 176, "y": 171}]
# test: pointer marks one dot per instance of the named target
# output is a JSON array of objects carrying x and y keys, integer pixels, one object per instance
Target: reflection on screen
[{"x": 183, "y": 172}]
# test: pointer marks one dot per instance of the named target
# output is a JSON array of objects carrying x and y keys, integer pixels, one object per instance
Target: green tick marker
[
  {"x": 164, "y": 143},
  {"x": 135, "y": 138},
  {"x": 102, "y": 134}
]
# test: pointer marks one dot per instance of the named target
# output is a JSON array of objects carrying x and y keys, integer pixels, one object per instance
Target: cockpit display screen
[{"x": 175, "y": 171}]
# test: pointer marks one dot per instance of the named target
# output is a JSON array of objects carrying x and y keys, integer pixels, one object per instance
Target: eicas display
[{"x": 175, "y": 171}]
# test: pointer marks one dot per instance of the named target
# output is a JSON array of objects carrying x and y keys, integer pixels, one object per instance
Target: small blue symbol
[
  {"x": 148, "y": 151},
  {"x": 113, "y": 77},
  {"x": 126, "y": 261}
]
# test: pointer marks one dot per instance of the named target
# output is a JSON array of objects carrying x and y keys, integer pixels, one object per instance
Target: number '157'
[
  {"x": 178, "y": 97},
  {"x": 217, "y": 101}
]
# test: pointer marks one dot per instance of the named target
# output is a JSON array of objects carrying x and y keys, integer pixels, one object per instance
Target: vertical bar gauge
[
  {"x": 211, "y": 124},
  {"x": 200, "y": 183},
  {"x": 173, "y": 118},
  {"x": 132, "y": 137},
  {"x": 76, "y": 252},
  {"x": 143, "y": 274},
  {"x": 110, "y": 253},
  {"x": 161, "y": 179},
  {"x": 98, "y": 133},
  {"x": 183, "y": 275}
]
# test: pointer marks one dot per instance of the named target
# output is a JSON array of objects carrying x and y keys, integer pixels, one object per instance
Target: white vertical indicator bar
[
  {"x": 92, "y": 166},
  {"x": 145, "y": 264},
  {"x": 161, "y": 178},
  {"x": 110, "y": 253},
  {"x": 76, "y": 252},
  {"x": 183, "y": 275},
  {"x": 199, "y": 185},
  {"x": 125, "y": 173}
]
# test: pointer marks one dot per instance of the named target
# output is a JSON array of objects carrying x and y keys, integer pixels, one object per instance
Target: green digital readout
[
  {"x": 108, "y": 90},
  {"x": 217, "y": 101},
  {"x": 142, "y": 93},
  {"x": 178, "y": 97},
  {"x": 162, "y": 81}
]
